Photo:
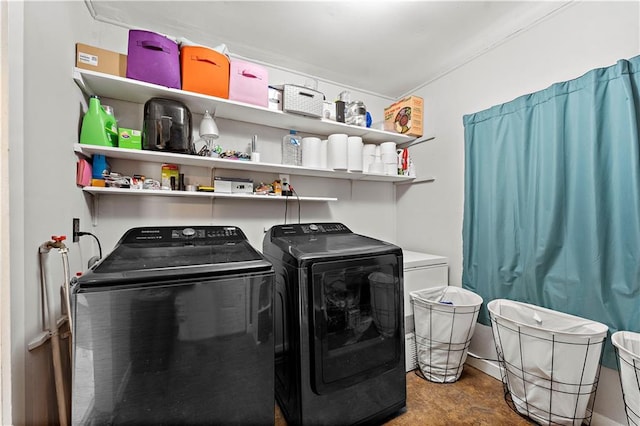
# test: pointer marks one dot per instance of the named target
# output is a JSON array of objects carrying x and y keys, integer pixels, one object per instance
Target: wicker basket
[{"x": 302, "y": 100}]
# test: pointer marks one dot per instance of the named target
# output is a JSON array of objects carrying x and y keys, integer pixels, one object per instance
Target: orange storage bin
[{"x": 204, "y": 71}]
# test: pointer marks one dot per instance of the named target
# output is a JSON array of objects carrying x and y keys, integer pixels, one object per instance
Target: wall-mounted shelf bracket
[
  {"x": 418, "y": 180},
  {"x": 95, "y": 208},
  {"x": 415, "y": 141}
]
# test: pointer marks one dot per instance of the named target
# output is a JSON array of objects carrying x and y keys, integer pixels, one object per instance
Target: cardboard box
[
  {"x": 405, "y": 116},
  {"x": 129, "y": 138},
  {"x": 100, "y": 60}
]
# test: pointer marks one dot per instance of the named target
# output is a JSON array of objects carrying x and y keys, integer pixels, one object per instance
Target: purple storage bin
[{"x": 153, "y": 58}]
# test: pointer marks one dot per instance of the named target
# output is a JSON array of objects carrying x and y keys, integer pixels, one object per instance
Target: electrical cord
[
  {"x": 97, "y": 240},
  {"x": 286, "y": 204},
  {"x": 297, "y": 198}
]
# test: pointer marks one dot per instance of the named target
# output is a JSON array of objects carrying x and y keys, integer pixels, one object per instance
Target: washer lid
[
  {"x": 143, "y": 254},
  {"x": 414, "y": 259}
]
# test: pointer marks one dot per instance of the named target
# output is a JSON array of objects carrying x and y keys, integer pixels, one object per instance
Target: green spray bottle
[{"x": 98, "y": 126}]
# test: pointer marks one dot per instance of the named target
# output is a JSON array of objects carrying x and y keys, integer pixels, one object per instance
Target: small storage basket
[
  {"x": 153, "y": 58},
  {"x": 445, "y": 319},
  {"x": 204, "y": 71},
  {"x": 302, "y": 100},
  {"x": 248, "y": 83},
  {"x": 549, "y": 361},
  {"x": 627, "y": 345}
]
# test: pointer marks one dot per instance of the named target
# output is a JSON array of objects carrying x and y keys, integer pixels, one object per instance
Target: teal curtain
[{"x": 552, "y": 199}]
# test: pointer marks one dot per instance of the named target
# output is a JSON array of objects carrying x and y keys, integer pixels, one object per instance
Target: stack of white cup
[
  {"x": 354, "y": 153},
  {"x": 389, "y": 158},
  {"x": 337, "y": 151},
  {"x": 311, "y": 152},
  {"x": 376, "y": 166},
  {"x": 368, "y": 156}
]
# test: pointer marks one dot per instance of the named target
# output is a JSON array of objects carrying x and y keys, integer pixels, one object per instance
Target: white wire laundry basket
[
  {"x": 445, "y": 319},
  {"x": 627, "y": 345},
  {"x": 549, "y": 360}
]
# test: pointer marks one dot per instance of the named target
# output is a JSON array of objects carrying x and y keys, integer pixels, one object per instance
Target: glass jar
[{"x": 356, "y": 114}]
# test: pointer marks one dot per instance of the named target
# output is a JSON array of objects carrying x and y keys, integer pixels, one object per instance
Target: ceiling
[{"x": 389, "y": 48}]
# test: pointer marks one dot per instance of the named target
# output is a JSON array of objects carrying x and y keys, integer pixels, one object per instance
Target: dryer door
[{"x": 357, "y": 329}]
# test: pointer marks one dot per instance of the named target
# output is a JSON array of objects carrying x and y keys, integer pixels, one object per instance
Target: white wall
[
  {"x": 5, "y": 289},
  {"x": 429, "y": 215},
  {"x": 581, "y": 37},
  {"x": 44, "y": 198}
]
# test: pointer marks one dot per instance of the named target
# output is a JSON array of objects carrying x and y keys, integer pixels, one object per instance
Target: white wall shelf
[
  {"x": 94, "y": 190},
  {"x": 218, "y": 163},
  {"x": 110, "y": 86},
  {"x": 114, "y": 87}
]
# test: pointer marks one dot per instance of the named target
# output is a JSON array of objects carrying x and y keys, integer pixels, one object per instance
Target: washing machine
[
  {"x": 175, "y": 326},
  {"x": 421, "y": 270},
  {"x": 339, "y": 325}
]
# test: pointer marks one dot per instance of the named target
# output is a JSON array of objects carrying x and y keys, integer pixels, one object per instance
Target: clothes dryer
[{"x": 339, "y": 329}]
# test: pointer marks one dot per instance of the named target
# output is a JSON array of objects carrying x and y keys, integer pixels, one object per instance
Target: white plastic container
[
  {"x": 549, "y": 360},
  {"x": 445, "y": 319},
  {"x": 311, "y": 147},
  {"x": 627, "y": 346}
]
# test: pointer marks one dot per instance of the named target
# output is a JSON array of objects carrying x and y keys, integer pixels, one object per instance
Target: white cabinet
[
  {"x": 421, "y": 270},
  {"x": 115, "y": 87}
]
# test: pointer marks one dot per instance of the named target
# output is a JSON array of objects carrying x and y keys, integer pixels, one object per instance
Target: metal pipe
[{"x": 52, "y": 323}]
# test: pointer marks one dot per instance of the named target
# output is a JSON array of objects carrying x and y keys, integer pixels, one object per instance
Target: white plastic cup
[
  {"x": 388, "y": 147},
  {"x": 377, "y": 167},
  {"x": 323, "y": 153},
  {"x": 311, "y": 147},
  {"x": 354, "y": 153},
  {"x": 337, "y": 151},
  {"x": 389, "y": 158},
  {"x": 390, "y": 169}
]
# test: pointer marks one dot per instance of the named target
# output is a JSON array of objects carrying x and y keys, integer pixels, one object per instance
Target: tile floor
[{"x": 475, "y": 399}]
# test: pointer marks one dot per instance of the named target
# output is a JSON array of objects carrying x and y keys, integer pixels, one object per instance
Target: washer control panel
[{"x": 177, "y": 234}]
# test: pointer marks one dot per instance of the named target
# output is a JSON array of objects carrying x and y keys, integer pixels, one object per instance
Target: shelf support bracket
[
  {"x": 416, "y": 141},
  {"x": 418, "y": 180},
  {"x": 81, "y": 84},
  {"x": 95, "y": 205}
]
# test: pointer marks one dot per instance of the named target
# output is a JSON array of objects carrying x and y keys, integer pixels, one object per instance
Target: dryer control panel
[{"x": 309, "y": 229}]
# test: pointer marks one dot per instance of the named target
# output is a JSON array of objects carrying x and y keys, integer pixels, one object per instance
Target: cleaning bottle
[
  {"x": 98, "y": 126},
  {"x": 291, "y": 149}
]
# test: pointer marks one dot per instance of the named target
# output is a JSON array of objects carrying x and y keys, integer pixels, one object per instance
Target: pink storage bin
[
  {"x": 248, "y": 83},
  {"x": 153, "y": 58}
]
